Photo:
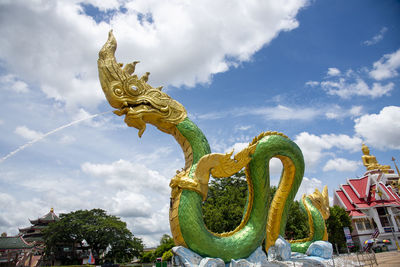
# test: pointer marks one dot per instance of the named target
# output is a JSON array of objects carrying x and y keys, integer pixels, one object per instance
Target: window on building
[
  {"x": 360, "y": 226},
  {"x": 384, "y": 217},
  {"x": 368, "y": 225}
]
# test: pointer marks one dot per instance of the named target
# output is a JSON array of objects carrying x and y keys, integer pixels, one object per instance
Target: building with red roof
[
  {"x": 26, "y": 248},
  {"x": 373, "y": 203}
]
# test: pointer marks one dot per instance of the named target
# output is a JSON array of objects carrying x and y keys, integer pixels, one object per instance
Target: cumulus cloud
[
  {"x": 172, "y": 39},
  {"x": 354, "y": 83},
  {"x": 312, "y": 83},
  {"x": 12, "y": 82},
  {"x": 381, "y": 130},
  {"x": 376, "y": 38},
  {"x": 125, "y": 175},
  {"x": 341, "y": 165},
  {"x": 282, "y": 112},
  {"x": 126, "y": 204},
  {"x": 27, "y": 133},
  {"x": 308, "y": 186},
  {"x": 333, "y": 72},
  {"x": 386, "y": 67},
  {"x": 337, "y": 112},
  {"x": 315, "y": 147},
  {"x": 345, "y": 89}
]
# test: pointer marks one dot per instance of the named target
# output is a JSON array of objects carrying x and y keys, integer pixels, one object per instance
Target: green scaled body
[{"x": 241, "y": 244}]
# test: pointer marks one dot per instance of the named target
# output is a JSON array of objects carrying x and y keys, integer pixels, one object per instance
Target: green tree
[
  {"x": 100, "y": 230},
  {"x": 297, "y": 222},
  {"x": 167, "y": 256},
  {"x": 147, "y": 257},
  {"x": 166, "y": 243},
  {"x": 226, "y": 200},
  {"x": 338, "y": 219}
]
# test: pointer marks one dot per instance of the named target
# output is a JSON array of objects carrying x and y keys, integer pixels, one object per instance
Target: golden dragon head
[
  {"x": 132, "y": 96},
  {"x": 321, "y": 201}
]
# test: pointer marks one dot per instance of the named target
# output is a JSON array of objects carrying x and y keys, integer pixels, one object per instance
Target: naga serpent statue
[
  {"x": 141, "y": 104},
  {"x": 316, "y": 206}
]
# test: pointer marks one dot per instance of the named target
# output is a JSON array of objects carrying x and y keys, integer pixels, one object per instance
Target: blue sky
[{"x": 325, "y": 73}]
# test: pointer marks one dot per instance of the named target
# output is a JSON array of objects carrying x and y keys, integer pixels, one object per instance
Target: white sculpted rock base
[{"x": 318, "y": 254}]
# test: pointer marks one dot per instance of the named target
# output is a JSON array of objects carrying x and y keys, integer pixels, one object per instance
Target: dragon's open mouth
[{"x": 139, "y": 106}]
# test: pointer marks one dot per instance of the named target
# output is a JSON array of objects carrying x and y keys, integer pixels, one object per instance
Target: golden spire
[
  {"x": 397, "y": 169},
  {"x": 51, "y": 210}
]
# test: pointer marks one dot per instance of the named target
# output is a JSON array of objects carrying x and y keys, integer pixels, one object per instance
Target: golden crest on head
[
  {"x": 134, "y": 97},
  {"x": 321, "y": 201}
]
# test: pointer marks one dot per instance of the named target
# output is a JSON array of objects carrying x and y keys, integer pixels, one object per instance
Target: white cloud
[
  {"x": 12, "y": 82},
  {"x": 356, "y": 110},
  {"x": 315, "y": 147},
  {"x": 337, "y": 112},
  {"x": 359, "y": 87},
  {"x": 377, "y": 38},
  {"x": 27, "y": 133},
  {"x": 129, "y": 205},
  {"x": 380, "y": 130},
  {"x": 312, "y": 83},
  {"x": 312, "y": 147},
  {"x": 125, "y": 175},
  {"x": 237, "y": 147},
  {"x": 285, "y": 113},
  {"x": 386, "y": 67},
  {"x": 333, "y": 72},
  {"x": 61, "y": 42},
  {"x": 308, "y": 186},
  {"x": 243, "y": 127},
  {"x": 341, "y": 165},
  {"x": 282, "y": 112},
  {"x": 67, "y": 139}
]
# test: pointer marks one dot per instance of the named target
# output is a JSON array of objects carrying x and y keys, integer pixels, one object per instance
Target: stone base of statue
[
  {"x": 318, "y": 254},
  {"x": 184, "y": 257}
]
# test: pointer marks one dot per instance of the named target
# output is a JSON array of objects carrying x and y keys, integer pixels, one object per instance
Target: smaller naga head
[
  {"x": 132, "y": 96},
  {"x": 321, "y": 201}
]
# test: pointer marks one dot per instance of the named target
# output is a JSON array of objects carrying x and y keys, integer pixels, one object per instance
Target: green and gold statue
[{"x": 141, "y": 104}]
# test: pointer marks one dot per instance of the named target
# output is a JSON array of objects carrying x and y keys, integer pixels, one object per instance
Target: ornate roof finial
[
  {"x": 397, "y": 169},
  {"x": 51, "y": 210}
]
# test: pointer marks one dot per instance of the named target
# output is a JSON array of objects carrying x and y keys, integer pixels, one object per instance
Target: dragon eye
[
  {"x": 134, "y": 87},
  {"x": 118, "y": 91}
]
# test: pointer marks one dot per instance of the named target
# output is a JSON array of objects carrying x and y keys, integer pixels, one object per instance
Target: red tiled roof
[
  {"x": 345, "y": 200},
  {"x": 396, "y": 196},
  {"x": 360, "y": 186},
  {"x": 359, "y": 194},
  {"x": 351, "y": 194},
  {"x": 356, "y": 213},
  {"x": 391, "y": 197}
]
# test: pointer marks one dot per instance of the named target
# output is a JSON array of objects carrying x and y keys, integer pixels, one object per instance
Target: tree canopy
[
  {"x": 162, "y": 251},
  {"x": 104, "y": 234},
  {"x": 227, "y": 198},
  {"x": 297, "y": 223},
  {"x": 338, "y": 219}
]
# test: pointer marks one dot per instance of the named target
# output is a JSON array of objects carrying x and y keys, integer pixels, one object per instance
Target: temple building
[
  {"x": 372, "y": 202},
  {"x": 33, "y": 233},
  {"x": 26, "y": 248}
]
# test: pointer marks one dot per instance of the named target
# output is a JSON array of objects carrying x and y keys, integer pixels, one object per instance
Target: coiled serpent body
[{"x": 142, "y": 104}]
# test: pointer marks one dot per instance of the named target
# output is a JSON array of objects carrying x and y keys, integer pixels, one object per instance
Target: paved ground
[{"x": 388, "y": 259}]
